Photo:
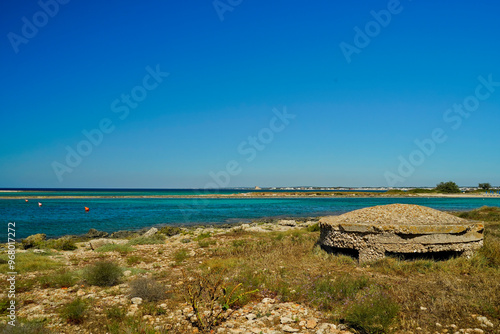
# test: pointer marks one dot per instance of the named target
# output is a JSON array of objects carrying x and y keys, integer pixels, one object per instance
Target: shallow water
[{"x": 57, "y": 217}]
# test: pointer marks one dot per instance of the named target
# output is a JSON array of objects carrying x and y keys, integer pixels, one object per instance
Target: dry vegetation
[{"x": 390, "y": 295}]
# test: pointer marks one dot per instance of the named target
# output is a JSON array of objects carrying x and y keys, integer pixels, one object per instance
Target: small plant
[
  {"x": 180, "y": 256},
  {"x": 60, "y": 279},
  {"x": 115, "y": 313},
  {"x": 203, "y": 235},
  {"x": 170, "y": 231},
  {"x": 134, "y": 259},
  {"x": 65, "y": 244},
  {"x": 210, "y": 299},
  {"x": 153, "y": 240},
  {"x": 103, "y": 273},
  {"x": 150, "y": 308},
  {"x": 122, "y": 249},
  {"x": 74, "y": 312},
  {"x": 28, "y": 262},
  {"x": 148, "y": 289},
  {"x": 373, "y": 311},
  {"x": 313, "y": 228},
  {"x": 206, "y": 243}
]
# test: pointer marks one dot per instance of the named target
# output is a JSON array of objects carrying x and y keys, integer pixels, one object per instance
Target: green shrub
[
  {"x": 4, "y": 304},
  {"x": 206, "y": 243},
  {"x": 103, "y": 273},
  {"x": 134, "y": 259},
  {"x": 115, "y": 313},
  {"x": 65, "y": 244},
  {"x": 74, "y": 312},
  {"x": 153, "y": 240},
  {"x": 313, "y": 228},
  {"x": 372, "y": 311},
  {"x": 28, "y": 262},
  {"x": 60, "y": 279},
  {"x": 122, "y": 249},
  {"x": 326, "y": 292},
  {"x": 170, "y": 231},
  {"x": 180, "y": 255},
  {"x": 203, "y": 235},
  {"x": 148, "y": 289},
  {"x": 25, "y": 327},
  {"x": 447, "y": 187}
]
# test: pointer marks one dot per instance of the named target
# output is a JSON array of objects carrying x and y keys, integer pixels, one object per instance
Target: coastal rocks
[
  {"x": 94, "y": 234},
  {"x": 284, "y": 222},
  {"x": 33, "y": 240},
  {"x": 123, "y": 234},
  {"x": 152, "y": 231},
  {"x": 94, "y": 244}
]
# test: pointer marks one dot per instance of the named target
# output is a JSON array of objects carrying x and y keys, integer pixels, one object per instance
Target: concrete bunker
[{"x": 405, "y": 230}]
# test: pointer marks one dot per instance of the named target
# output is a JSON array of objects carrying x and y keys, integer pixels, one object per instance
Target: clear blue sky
[{"x": 354, "y": 120}]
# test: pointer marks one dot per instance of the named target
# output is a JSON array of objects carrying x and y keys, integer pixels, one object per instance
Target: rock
[
  {"x": 127, "y": 273},
  {"x": 152, "y": 231},
  {"x": 311, "y": 323},
  {"x": 34, "y": 240},
  {"x": 268, "y": 301},
  {"x": 484, "y": 322},
  {"x": 136, "y": 300},
  {"x": 251, "y": 316},
  {"x": 423, "y": 308},
  {"x": 80, "y": 293},
  {"x": 477, "y": 331},
  {"x": 284, "y": 222},
  {"x": 289, "y": 329},
  {"x": 94, "y": 244},
  {"x": 39, "y": 251},
  {"x": 286, "y": 320},
  {"x": 94, "y": 234}
]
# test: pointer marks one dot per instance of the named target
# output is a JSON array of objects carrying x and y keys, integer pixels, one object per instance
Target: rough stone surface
[
  {"x": 33, "y": 240},
  {"x": 400, "y": 228},
  {"x": 93, "y": 234},
  {"x": 152, "y": 231}
]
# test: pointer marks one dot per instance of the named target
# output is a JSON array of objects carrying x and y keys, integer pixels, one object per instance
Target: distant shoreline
[{"x": 273, "y": 195}]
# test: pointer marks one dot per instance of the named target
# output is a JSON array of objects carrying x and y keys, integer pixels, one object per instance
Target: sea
[{"x": 113, "y": 210}]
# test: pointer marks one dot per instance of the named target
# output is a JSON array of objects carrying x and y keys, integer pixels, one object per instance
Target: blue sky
[{"x": 355, "y": 119}]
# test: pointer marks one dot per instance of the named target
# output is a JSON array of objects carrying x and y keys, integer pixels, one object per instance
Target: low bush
[
  {"x": 65, "y": 244},
  {"x": 148, "y": 289},
  {"x": 372, "y": 311},
  {"x": 122, "y": 249},
  {"x": 74, "y": 312},
  {"x": 103, "y": 273},
  {"x": 180, "y": 256},
  {"x": 115, "y": 313},
  {"x": 170, "y": 231},
  {"x": 28, "y": 262},
  {"x": 153, "y": 240},
  {"x": 59, "y": 279}
]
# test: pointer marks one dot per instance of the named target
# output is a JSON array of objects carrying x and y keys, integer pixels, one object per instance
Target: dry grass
[{"x": 288, "y": 266}]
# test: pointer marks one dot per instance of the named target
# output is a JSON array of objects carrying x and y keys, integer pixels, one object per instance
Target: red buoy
[
  {"x": 26, "y": 200},
  {"x": 39, "y": 204},
  {"x": 87, "y": 209}
]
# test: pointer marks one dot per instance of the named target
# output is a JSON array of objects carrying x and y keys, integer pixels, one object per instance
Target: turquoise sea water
[{"x": 57, "y": 217}]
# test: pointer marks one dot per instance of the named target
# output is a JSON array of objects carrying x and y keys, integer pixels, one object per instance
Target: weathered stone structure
[{"x": 372, "y": 233}]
